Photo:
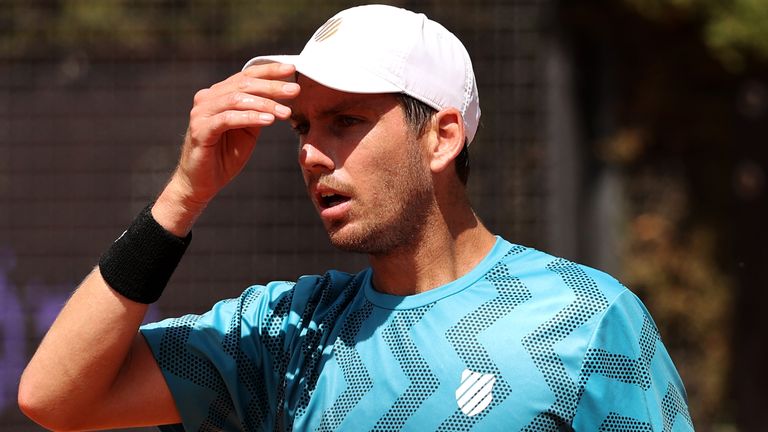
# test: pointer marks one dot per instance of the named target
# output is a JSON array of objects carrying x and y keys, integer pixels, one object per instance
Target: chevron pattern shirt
[{"x": 524, "y": 342}]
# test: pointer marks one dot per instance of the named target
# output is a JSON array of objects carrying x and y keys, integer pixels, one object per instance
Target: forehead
[{"x": 316, "y": 99}]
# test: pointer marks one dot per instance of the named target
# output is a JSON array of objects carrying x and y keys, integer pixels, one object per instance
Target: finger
[
  {"x": 270, "y": 71},
  {"x": 243, "y": 102},
  {"x": 206, "y": 131},
  {"x": 250, "y": 102},
  {"x": 274, "y": 89},
  {"x": 268, "y": 88}
]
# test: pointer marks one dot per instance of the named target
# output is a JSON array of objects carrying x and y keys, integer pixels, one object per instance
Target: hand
[{"x": 224, "y": 125}]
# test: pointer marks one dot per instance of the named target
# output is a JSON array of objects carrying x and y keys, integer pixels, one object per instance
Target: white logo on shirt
[{"x": 474, "y": 394}]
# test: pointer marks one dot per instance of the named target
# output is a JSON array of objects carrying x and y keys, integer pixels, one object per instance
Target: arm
[
  {"x": 628, "y": 376},
  {"x": 93, "y": 370}
]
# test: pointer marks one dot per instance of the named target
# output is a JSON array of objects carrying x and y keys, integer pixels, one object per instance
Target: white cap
[{"x": 385, "y": 49}]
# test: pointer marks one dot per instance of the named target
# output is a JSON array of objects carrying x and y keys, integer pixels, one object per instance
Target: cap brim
[{"x": 338, "y": 75}]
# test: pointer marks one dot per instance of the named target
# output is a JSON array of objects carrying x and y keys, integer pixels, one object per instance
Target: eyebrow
[
  {"x": 326, "y": 112},
  {"x": 332, "y": 110}
]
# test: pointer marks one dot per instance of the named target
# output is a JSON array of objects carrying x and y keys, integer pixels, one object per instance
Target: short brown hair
[{"x": 418, "y": 115}]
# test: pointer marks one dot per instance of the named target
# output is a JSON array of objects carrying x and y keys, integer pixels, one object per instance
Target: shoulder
[
  {"x": 333, "y": 280},
  {"x": 574, "y": 303},
  {"x": 549, "y": 275},
  {"x": 259, "y": 303},
  {"x": 306, "y": 291}
]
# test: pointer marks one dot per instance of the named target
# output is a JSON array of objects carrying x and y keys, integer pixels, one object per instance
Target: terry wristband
[{"x": 140, "y": 262}]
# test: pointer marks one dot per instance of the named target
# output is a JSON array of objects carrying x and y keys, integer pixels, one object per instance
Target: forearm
[
  {"x": 91, "y": 347},
  {"x": 92, "y": 369},
  {"x": 82, "y": 354}
]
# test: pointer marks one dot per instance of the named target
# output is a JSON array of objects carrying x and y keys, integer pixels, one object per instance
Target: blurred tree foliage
[
  {"x": 733, "y": 29},
  {"x": 684, "y": 85},
  {"x": 139, "y": 28}
]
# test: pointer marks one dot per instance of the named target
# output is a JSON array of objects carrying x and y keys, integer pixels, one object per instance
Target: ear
[{"x": 448, "y": 139}]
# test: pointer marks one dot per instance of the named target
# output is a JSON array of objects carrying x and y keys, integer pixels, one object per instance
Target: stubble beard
[{"x": 400, "y": 219}]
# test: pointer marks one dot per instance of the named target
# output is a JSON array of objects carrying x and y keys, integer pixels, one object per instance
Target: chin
[
  {"x": 353, "y": 239},
  {"x": 356, "y": 244},
  {"x": 370, "y": 241},
  {"x": 382, "y": 233}
]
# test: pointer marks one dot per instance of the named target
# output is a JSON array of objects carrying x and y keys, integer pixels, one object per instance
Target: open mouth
[{"x": 328, "y": 200}]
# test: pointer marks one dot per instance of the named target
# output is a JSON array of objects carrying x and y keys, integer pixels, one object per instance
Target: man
[{"x": 451, "y": 327}]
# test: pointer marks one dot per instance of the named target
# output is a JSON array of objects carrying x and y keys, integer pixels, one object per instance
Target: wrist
[
  {"x": 176, "y": 209},
  {"x": 140, "y": 262}
]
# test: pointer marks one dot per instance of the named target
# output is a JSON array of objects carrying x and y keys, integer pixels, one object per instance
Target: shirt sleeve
[
  {"x": 628, "y": 380},
  {"x": 203, "y": 356}
]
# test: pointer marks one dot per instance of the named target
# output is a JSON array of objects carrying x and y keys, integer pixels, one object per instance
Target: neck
[{"x": 447, "y": 249}]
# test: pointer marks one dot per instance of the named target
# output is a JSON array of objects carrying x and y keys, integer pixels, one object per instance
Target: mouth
[{"x": 331, "y": 199}]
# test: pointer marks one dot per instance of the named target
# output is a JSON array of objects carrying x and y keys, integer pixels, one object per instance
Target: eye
[
  {"x": 300, "y": 128},
  {"x": 347, "y": 121}
]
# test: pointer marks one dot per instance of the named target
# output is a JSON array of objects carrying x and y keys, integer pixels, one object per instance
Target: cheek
[{"x": 381, "y": 173}]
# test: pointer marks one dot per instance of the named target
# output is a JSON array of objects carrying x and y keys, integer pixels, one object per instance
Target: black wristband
[{"x": 140, "y": 262}]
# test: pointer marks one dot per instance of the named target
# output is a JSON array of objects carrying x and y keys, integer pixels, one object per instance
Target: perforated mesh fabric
[{"x": 541, "y": 343}]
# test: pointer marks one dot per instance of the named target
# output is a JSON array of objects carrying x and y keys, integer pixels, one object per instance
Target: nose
[{"x": 314, "y": 160}]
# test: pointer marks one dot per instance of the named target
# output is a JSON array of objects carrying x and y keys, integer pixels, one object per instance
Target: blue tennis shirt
[{"x": 524, "y": 342}]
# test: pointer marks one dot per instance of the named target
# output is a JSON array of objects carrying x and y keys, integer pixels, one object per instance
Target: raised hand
[{"x": 224, "y": 125}]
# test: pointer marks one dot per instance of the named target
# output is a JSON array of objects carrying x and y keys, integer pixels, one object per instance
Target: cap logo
[{"x": 328, "y": 29}]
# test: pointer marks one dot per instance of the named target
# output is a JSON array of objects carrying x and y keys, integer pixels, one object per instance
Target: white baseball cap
[{"x": 385, "y": 49}]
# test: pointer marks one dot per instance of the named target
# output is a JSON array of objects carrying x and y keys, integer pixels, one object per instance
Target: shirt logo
[
  {"x": 475, "y": 392},
  {"x": 328, "y": 29}
]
